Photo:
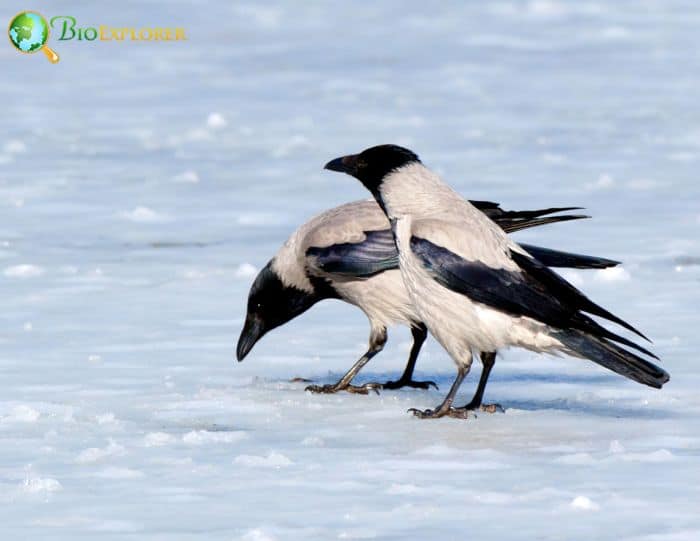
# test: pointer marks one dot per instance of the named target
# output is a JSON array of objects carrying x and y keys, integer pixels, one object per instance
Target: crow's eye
[
  {"x": 258, "y": 306},
  {"x": 361, "y": 164}
]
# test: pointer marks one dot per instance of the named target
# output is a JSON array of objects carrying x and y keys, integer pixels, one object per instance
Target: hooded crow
[
  {"x": 473, "y": 287},
  {"x": 348, "y": 253}
]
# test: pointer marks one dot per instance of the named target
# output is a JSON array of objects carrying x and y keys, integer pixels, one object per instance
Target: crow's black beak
[
  {"x": 346, "y": 164},
  {"x": 253, "y": 330}
]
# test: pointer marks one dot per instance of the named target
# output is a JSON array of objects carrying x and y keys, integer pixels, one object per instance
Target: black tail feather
[
  {"x": 567, "y": 292},
  {"x": 492, "y": 210},
  {"x": 515, "y": 220},
  {"x": 527, "y": 214},
  {"x": 613, "y": 357},
  {"x": 516, "y": 224},
  {"x": 587, "y": 324},
  {"x": 555, "y": 258}
]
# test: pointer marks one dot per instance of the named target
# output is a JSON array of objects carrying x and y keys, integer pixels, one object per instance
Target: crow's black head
[
  {"x": 372, "y": 165},
  {"x": 271, "y": 303}
]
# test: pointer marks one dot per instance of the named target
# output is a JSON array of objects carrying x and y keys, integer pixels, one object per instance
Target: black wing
[
  {"x": 515, "y": 220},
  {"x": 376, "y": 253},
  {"x": 534, "y": 292}
]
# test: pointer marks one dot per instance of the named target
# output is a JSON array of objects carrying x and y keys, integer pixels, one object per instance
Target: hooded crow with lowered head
[
  {"x": 473, "y": 287},
  {"x": 348, "y": 253}
]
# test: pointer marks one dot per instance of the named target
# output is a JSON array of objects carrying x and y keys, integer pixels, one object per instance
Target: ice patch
[
  {"x": 23, "y": 271},
  {"x": 612, "y": 274},
  {"x": 682, "y": 157},
  {"x": 437, "y": 450},
  {"x": 34, "y": 485},
  {"x": 14, "y": 147},
  {"x": 116, "y": 526},
  {"x": 272, "y": 460},
  {"x": 105, "y": 419},
  {"x": 576, "y": 459},
  {"x": 158, "y": 439},
  {"x": 499, "y": 498},
  {"x": 68, "y": 269},
  {"x": 572, "y": 276},
  {"x": 119, "y": 473},
  {"x": 662, "y": 455},
  {"x": 27, "y": 327},
  {"x": 616, "y": 447},
  {"x": 399, "y": 489},
  {"x": 144, "y": 215},
  {"x": 546, "y": 8},
  {"x": 94, "y": 454},
  {"x": 676, "y": 535},
  {"x": 257, "y": 535},
  {"x": 289, "y": 147},
  {"x": 553, "y": 158},
  {"x": 223, "y": 323},
  {"x": 265, "y": 17},
  {"x": 245, "y": 270},
  {"x": 173, "y": 461},
  {"x": 615, "y": 32},
  {"x": 216, "y": 121},
  {"x": 642, "y": 184},
  {"x": 313, "y": 441},
  {"x": 259, "y": 218},
  {"x": 604, "y": 182},
  {"x": 583, "y": 503},
  {"x": 502, "y": 42},
  {"x": 202, "y": 437},
  {"x": 22, "y": 414},
  {"x": 357, "y": 533},
  {"x": 188, "y": 176},
  {"x": 195, "y": 135}
]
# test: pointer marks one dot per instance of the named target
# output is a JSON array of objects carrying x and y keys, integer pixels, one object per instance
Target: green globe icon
[{"x": 29, "y": 32}]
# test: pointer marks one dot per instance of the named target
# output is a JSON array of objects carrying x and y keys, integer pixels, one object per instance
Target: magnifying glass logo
[{"x": 29, "y": 33}]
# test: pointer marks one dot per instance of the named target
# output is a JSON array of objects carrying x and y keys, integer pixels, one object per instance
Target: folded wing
[
  {"x": 374, "y": 254},
  {"x": 531, "y": 290}
]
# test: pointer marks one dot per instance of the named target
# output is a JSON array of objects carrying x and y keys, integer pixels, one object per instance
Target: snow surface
[{"x": 141, "y": 186}]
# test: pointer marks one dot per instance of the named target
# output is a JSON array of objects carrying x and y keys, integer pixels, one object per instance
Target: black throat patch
[{"x": 276, "y": 303}]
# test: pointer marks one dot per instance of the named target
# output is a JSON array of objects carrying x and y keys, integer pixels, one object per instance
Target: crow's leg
[
  {"x": 377, "y": 339},
  {"x": 488, "y": 359},
  {"x": 419, "y": 333},
  {"x": 446, "y": 409}
]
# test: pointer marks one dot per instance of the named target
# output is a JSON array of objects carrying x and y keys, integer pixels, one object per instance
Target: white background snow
[{"x": 143, "y": 184}]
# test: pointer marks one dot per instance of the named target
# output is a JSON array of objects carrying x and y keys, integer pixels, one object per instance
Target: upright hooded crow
[
  {"x": 473, "y": 287},
  {"x": 348, "y": 253}
]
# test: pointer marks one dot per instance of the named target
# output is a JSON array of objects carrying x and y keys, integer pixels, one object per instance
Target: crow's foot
[
  {"x": 398, "y": 384},
  {"x": 335, "y": 388},
  {"x": 488, "y": 408},
  {"x": 457, "y": 413}
]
